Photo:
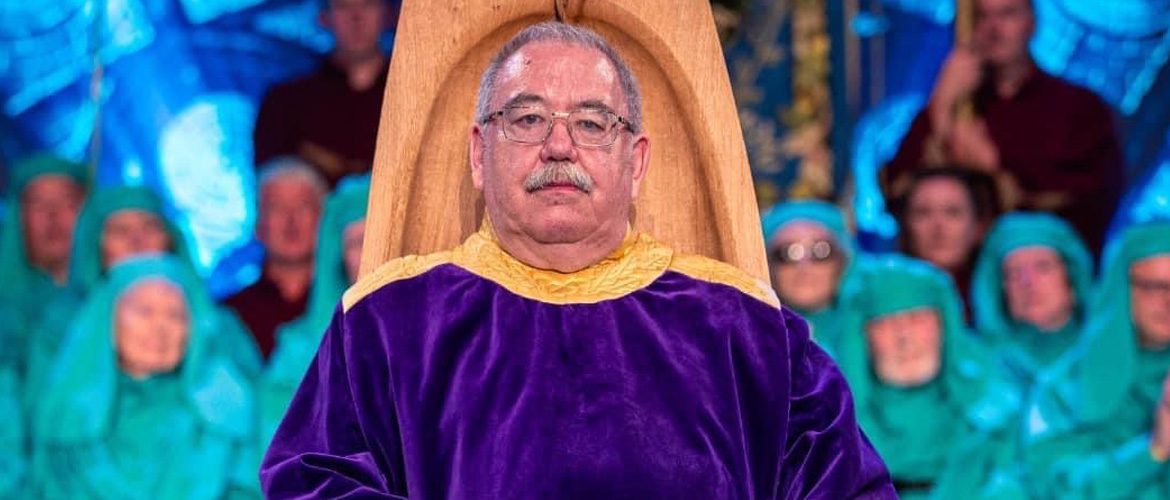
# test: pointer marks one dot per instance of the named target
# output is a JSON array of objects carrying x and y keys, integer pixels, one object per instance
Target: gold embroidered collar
[{"x": 636, "y": 263}]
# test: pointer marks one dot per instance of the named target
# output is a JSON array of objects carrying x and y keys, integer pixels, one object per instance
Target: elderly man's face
[
  {"x": 287, "y": 222},
  {"x": 906, "y": 347},
  {"x": 130, "y": 232},
  {"x": 151, "y": 326},
  {"x": 1037, "y": 288},
  {"x": 560, "y": 78},
  {"x": 1149, "y": 292}
]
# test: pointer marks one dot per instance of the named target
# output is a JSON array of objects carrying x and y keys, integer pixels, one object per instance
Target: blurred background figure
[
  {"x": 1102, "y": 422},
  {"x": 46, "y": 194},
  {"x": 1049, "y": 144},
  {"x": 290, "y": 194},
  {"x": 330, "y": 118},
  {"x": 338, "y": 255},
  {"x": 1030, "y": 291},
  {"x": 140, "y": 404},
  {"x": 944, "y": 214},
  {"x": 117, "y": 223},
  {"x": 923, "y": 386},
  {"x": 810, "y": 253}
]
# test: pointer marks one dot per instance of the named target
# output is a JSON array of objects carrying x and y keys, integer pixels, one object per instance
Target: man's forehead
[{"x": 558, "y": 71}]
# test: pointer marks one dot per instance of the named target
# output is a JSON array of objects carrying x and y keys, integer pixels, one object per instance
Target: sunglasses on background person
[{"x": 805, "y": 250}]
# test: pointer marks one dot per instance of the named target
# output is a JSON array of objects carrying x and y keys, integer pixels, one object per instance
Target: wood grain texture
[{"x": 698, "y": 196}]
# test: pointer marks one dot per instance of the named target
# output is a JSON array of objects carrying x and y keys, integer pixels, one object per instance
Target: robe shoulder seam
[
  {"x": 718, "y": 272},
  {"x": 398, "y": 269}
]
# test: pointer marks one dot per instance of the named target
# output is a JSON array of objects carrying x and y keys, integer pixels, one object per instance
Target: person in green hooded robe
[
  {"x": 117, "y": 223},
  {"x": 339, "y": 240},
  {"x": 13, "y": 452},
  {"x": 1029, "y": 293},
  {"x": 44, "y": 197},
  {"x": 810, "y": 253},
  {"x": 924, "y": 387},
  {"x": 140, "y": 405},
  {"x": 1100, "y": 423}
]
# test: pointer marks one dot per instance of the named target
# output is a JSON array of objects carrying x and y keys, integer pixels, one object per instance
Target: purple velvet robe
[{"x": 446, "y": 384}]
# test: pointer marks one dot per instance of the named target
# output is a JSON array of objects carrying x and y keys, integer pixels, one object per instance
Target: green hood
[
  {"x": 78, "y": 399},
  {"x": 21, "y": 279},
  {"x": 85, "y": 264},
  {"x": 972, "y": 380},
  {"x": 1011, "y": 232},
  {"x": 826, "y": 323},
  {"x": 1098, "y": 380}
]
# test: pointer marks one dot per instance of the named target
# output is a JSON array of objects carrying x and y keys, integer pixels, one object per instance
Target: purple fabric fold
[{"x": 446, "y": 385}]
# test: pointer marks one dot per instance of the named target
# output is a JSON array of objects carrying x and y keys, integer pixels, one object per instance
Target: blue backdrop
[{"x": 164, "y": 92}]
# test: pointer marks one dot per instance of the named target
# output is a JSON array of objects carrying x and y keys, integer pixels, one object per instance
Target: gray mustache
[{"x": 560, "y": 172}]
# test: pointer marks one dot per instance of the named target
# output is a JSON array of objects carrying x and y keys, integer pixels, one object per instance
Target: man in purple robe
[{"x": 558, "y": 354}]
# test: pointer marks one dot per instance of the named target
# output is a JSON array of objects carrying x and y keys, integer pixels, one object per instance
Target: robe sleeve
[
  {"x": 323, "y": 448},
  {"x": 826, "y": 455}
]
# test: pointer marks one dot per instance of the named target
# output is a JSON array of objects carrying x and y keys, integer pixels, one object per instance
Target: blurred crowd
[{"x": 1010, "y": 350}]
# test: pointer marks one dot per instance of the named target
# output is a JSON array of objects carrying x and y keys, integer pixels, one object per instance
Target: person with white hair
[{"x": 290, "y": 195}]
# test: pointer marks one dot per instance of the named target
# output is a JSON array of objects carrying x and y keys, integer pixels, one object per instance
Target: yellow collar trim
[{"x": 638, "y": 262}]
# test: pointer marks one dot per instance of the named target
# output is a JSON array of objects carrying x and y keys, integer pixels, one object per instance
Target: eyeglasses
[
  {"x": 591, "y": 128},
  {"x": 810, "y": 250}
]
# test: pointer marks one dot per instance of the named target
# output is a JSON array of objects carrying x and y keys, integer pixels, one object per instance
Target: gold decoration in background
[{"x": 809, "y": 119}]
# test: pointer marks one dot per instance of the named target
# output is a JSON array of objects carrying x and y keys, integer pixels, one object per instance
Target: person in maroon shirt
[
  {"x": 290, "y": 197},
  {"x": 1050, "y": 145},
  {"x": 330, "y": 118}
]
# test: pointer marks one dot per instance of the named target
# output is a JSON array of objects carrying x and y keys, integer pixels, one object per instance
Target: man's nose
[{"x": 559, "y": 144}]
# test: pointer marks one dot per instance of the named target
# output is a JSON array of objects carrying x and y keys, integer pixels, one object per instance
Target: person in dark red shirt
[
  {"x": 1050, "y": 145},
  {"x": 290, "y": 197},
  {"x": 330, "y": 118}
]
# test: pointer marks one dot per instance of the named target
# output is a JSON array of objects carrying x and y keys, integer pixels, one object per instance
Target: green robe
[
  {"x": 85, "y": 273},
  {"x": 968, "y": 405},
  {"x": 189, "y": 434},
  {"x": 1091, "y": 418},
  {"x": 297, "y": 340},
  {"x": 1024, "y": 349},
  {"x": 825, "y": 324},
  {"x": 25, "y": 290}
]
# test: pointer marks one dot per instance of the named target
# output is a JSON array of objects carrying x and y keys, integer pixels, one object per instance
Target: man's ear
[
  {"x": 475, "y": 155},
  {"x": 640, "y": 163}
]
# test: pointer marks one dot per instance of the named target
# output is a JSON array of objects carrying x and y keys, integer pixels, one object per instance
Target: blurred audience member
[
  {"x": 117, "y": 223},
  {"x": 1102, "y": 422},
  {"x": 1029, "y": 291},
  {"x": 45, "y": 196},
  {"x": 290, "y": 197},
  {"x": 1050, "y": 144},
  {"x": 924, "y": 387},
  {"x": 140, "y": 405},
  {"x": 330, "y": 118},
  {"x": 338, "y": 254},
  {"x": 810, "y": 253},
  {"x": 943, "y": 216}
]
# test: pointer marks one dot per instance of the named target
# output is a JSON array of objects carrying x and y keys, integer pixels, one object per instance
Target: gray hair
[
  {"x": 291, "y": 167},
  {"x": 570, "y": 34}
]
